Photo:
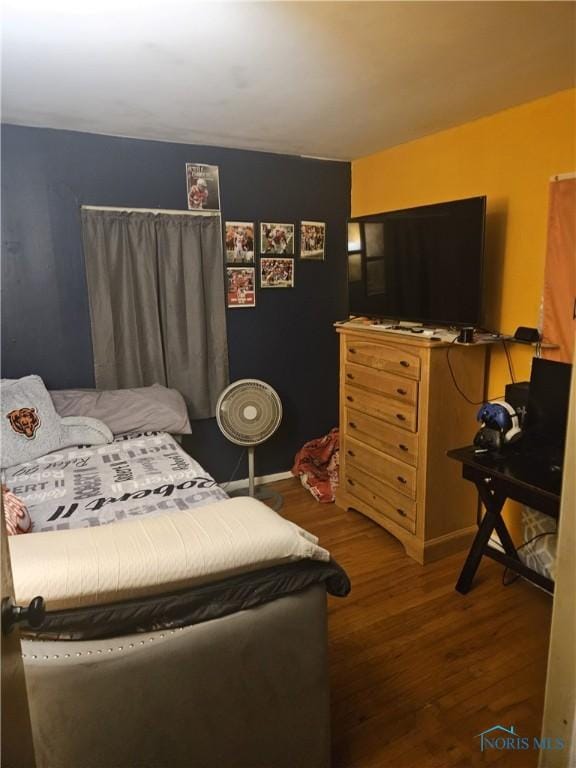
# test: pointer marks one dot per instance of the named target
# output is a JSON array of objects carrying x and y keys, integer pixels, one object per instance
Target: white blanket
[{"x": 152, "y": 555}]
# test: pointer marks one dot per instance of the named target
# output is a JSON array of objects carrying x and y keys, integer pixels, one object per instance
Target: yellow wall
[{"x": 509, "y": 157}]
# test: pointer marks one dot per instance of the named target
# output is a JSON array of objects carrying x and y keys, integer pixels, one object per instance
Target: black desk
[{"x": 516, "y": 477}]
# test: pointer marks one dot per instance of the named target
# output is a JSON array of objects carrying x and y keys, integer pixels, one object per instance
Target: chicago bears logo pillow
[
  {"x": 29, "y": 424},
  {"x": 24, "y": 421}
]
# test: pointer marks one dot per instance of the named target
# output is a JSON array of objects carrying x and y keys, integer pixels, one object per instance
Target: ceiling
[{"x": 329, "y": 79}]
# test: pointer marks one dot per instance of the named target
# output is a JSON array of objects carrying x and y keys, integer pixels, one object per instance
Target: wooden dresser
[{"x": 399, "y": 413}]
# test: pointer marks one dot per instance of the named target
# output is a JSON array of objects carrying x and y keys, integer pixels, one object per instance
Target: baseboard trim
[
  {"x": 449, "y": 544},
  {"x": 261, "y": 480}
]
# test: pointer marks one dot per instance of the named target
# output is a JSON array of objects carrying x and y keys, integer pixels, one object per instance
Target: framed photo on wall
[
  {"x": 276, "y": 239},
  {"x": 241, "y": 287},
  {"x": 313, "y": 240},
  {"x": 203, "y": 187},
  {"x": 276, "y": 272},
  {"x": 239, "y": 242}
]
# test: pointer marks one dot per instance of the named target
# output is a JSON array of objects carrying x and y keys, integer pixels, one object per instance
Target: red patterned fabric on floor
[{"x": 316, "y": 464}]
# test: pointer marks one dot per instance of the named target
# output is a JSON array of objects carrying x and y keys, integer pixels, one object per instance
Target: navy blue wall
[{"x": 287, "y": 340}]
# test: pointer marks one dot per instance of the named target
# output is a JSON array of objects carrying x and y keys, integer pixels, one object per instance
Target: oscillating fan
[{"x": 248, "y": 412}]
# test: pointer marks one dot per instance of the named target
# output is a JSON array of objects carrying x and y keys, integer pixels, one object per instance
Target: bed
[{"x": 183, "y": 627}]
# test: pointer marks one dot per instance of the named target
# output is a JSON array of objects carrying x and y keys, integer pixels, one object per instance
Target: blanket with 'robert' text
[{"x": 81, "y": 487}]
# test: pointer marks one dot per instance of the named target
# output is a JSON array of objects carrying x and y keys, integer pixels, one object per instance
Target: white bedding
[
  {"x": 173, "y": 526},
  {"x": 151, "y": 555}
]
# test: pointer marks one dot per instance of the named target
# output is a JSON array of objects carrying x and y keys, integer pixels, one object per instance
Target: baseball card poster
[
  {"x": 276, "y": 273},
  {"x": 241, "y": 287},
  {"x": 203, "y": 187},
  {"x": 277, "y": 239},
  {"x": 312, "y": 240},
  {"x": 239, "y": 242}
]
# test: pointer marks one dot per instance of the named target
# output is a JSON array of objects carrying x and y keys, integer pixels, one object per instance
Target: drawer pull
[
  {"x": 404, "y": 363},
  {"x": 352, "y": 351},
  {"x": 403, "y": 447},
  {"x": 350, "y": 482},
  {"x": 350, "y": 453},
  {"x": 401, "y": 512},
  {"x": 401, "y": 479},
  {"x": 400, "y": 417},
  {"x": 352, "y": 425},
  {"x": 401, "y": 391},
  {"x": 350, "y": 398},
  {"x": 350, "y": 375}
]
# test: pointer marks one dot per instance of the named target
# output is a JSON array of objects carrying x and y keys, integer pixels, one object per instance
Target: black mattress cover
[{"x": 193, "y": 605}]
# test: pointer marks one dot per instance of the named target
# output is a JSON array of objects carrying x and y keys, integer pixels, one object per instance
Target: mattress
[
  {"x": 130, "y": 478},
  {"x": 152, "y": 555},
  {"x": 179, "y": 550}
]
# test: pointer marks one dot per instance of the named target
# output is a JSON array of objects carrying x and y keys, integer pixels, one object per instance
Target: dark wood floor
[{"x": 418, "y": 670}]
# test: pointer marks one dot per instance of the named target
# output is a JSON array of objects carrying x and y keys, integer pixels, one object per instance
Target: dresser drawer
[
  {"x": 396, "y": 474},
  {"x": 397, "y": 387},
  {"x": 382, "y": 498},
  {"x": 382, "y": 358},
  {"x": 382, "y": 407},
  {"x": 395, "y": 442}
]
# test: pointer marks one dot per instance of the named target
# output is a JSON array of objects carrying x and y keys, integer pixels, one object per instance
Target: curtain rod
[
  {"x": 148, "y": 210},
  {"x": 563, "y": 176}
]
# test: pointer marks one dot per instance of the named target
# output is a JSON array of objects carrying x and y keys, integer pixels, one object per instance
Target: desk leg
[
  {"x": 505, "y": 538},
  {"x": 490, "y": 521}
]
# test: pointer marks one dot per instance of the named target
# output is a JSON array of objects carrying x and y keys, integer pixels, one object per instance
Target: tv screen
[{"x": 420, "y": 264}]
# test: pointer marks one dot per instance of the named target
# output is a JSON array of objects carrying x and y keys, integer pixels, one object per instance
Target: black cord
[
  {"x": 512, "y": 580},
  {"x": 233, "y": 475},
  {"x": 516, "y": 576},
  {"x": 509, "y": 359},
  {"x": 463, "y": 394}
]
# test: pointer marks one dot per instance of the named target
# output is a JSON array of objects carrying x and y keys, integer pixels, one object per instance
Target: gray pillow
[
  {"x": 30, "y": 425},
  {"x": 141, "y": 409}
]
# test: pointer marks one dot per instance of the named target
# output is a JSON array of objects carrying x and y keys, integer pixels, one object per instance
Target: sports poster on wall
[
  {"x": 241, "y": 287},
  {"x": 239, "y": 242},
  {"x": 203, "y": 187},
  {"x": 276, "y": 239},
  {"x": 276, "y": 273},
  {"x": 313, "y": 240}
]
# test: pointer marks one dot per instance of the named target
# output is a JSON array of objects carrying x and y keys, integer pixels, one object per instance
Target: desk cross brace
[{"x": 493, "y": 500}]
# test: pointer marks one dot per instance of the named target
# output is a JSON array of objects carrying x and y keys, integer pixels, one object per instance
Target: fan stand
[{"x": 273, "y": 499}]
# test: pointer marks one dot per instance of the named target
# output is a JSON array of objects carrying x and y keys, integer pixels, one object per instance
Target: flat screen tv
[{"x": 420, "y": 264}]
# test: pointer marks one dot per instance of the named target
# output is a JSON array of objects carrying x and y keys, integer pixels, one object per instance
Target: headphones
[{"x": 500, "y": 425}]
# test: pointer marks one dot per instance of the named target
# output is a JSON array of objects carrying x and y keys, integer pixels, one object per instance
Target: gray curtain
[{"x": 157, "y": 303}]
